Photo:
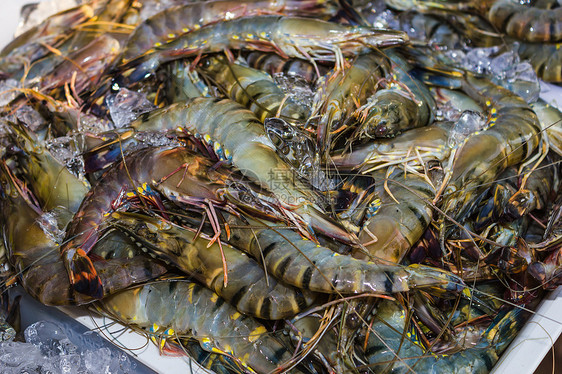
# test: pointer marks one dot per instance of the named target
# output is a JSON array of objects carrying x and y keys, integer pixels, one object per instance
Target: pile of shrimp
[{"x": 284, "y": 186}]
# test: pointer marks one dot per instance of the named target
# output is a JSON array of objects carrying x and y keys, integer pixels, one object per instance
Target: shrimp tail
[
  {"x": 83, "y": 275},
  {"x": 505, "y": 325},
  {"x": 320, "y": 223}
]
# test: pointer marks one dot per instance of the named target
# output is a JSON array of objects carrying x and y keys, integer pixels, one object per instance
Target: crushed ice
[
  {"x": 414, "y": 27},
  {"x": 505, "y": 69},
  {"x": 127, "y": 105},
  {"x": 448, "y": 112},
  {"x": 156, "y": 139},
  {"x": 375, "y": 13},
  {"x": 296, "y": 88},
  {"x": 47, "y": 349},
  {"x": 68, "y": 153},
  {"x": 89, "y": 123}
]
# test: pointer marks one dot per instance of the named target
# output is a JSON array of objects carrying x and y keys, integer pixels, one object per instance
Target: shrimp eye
[
  {"x": 381, "y": 130},
  {"x": 116, "y": 84}
]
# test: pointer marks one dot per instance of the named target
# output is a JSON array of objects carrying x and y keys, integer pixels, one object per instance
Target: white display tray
[
  {"x": 538, "y": 335},
  {"x": 523, "y": 355}
]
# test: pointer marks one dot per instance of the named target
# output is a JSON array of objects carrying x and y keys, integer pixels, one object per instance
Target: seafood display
[{"x": 288, "y": 186}]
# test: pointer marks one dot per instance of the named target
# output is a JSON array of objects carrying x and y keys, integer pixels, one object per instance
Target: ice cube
[
  {"x": 504, "y": 69},
  {"x": 386, "y": 20},
  {"x": 414, "y": 27},
  {"x": 126, "y": 106},
  {"x": 98, "y": 361},
  {"x": 67, "y": 152},
  {"x": 296, "y": 88},
  {"x": 49, "y": 351},
  {"x": 17, "y": 357},
  {"x": 62, "y": 148},
  {"x": 155, "y": 139},
  {"x": 525, "y": 71},
  {"x": 479, "y": 60},
  {"x": 70, "y": 364},
  {"x": 120, "y": 363},
  {"x": 456, "y": 56},
  {"x": 468, "y": 123},
  {"x": 448, "y": 112},
  {"x": 501, "y": 66},
  {"x": 50, "y": 224},
  {"x": 8, "y": 91},
  {"x": 508, "y": 71},
  {"x": 369, "y": 10},
  {"x": 28, "y": 115},
  {"x": 95, "y": 125},
  {"x": 298, "y": 149},
  {"x": 49, "y": 338},
  {"x": 524, "y": 82},
  {"x": 292, "y": 143}
]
